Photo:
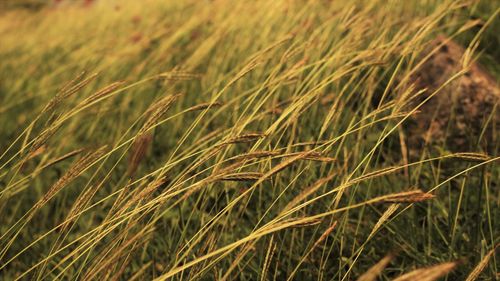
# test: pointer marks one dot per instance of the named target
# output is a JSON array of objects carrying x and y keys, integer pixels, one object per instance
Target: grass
[{"x": 237, "y": 140}]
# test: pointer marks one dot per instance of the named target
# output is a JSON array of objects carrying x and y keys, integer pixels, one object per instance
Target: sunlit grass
[{"x": 237, "y": 140}]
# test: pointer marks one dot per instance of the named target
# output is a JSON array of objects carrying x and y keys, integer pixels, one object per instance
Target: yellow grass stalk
[
  {"x": 42, "y": 139},
  {"x": 145, "y": 192},
  {"x": 257, "y": 154},
  {"x": 204, "y": 159},
  {"x": 243, "y": 138},
  {"x": 481, "y": 265},
  {"x": 102, "y": 93},
  {"x": 243, "y": 176},
  {"x": 40, "y": 150},
  {"x": 408, "y": 197},
  {"x": 178, "y": 75},
  {"x": 316, "y": 244},
  {"x": 385, "y": 216},
  {"x": 267, "y": 261},
  {"x": 428, "y": 273},
  {"x": 284, "y": 164},
  {"x": 376, "y": 270},
  {"x": 63, "y": 157},
  {"x": 55, "y": 100},
  {"x": 244, "y": 250},
  {"x": 306, "y": 192},
  {"x": 315, "y": 156},
  {"x": 472, "y": 156},
  {"x": 157, "y": 110},
  {"x": 78, "y": 167},
  {"x": 79, "y": 204},
  {"x": 130, "y": 245}
]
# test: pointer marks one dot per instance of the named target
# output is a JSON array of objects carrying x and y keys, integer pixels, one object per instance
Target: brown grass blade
[
  {"x": 325, "y": 234},
  {"x": 139, "y": 149}
]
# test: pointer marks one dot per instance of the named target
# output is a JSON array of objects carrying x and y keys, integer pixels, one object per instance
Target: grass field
[{"x": 240, "y": 140}]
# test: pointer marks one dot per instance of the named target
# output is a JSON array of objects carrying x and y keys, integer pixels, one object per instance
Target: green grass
[{"x": 160, "y": 181}]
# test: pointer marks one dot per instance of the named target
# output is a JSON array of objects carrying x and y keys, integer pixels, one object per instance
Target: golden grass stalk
[
  {"x": 243, "y": 176},
  {"x": 127, "y": 248},
  {"x": 481, "y": 265},
  {"x": 316, "y": 156},
  {"x": 78, "y": 167},
  {"x": 55, "y": 100},
  {"x": 63, "y": 157},
  {"x": 373, "y": 272},
  {"x": 378, "y": 173},
  {"x": 102, "y": 93},
  {"x": 267, "y": 261},
  {"x": 233, "y": 177},
  {"x": 236, "y": 262},
  {"x": 229, "y": 168},
  {"x": 299, "y": 222},
  {"x": 385, "y": 216},
  {"x": 204, "y": 139},
  {"x": 68, "y": 91},
  {"x": 205, "y": 158},
  {"x": 408, "y": 197},
  {"x": 428, "y": 273},
  {"x": 285, "y": 164},
  {"x": 325, "y": 234},
  {"x": 157, "y": 110},
  {"x": 42, "y": 139},
  {"x": 316, "y": 244},
  {"x": 138, "y": 275},
  {"x": 257, "y": 154},
  {"x": 80, "y": 203},
  {"x": 306, "y": 192},
  {"x": 244, "y": 138},
  {"x": 178, "y": 75},
  {"x": 147, "y": 191},
  {"x": 472, "y": 156}
]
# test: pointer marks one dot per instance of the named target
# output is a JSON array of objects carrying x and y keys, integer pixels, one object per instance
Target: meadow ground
[{"x": 247, "y": 140}]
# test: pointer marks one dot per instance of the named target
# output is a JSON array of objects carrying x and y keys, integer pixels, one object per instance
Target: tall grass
[{"x": 237, "y": 140}]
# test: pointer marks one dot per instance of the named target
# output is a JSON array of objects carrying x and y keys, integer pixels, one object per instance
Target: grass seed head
[{"x": 413, "y": 196}]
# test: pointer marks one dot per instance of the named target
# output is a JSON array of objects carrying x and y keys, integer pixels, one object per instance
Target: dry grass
[{"x": 245, "y": 140}]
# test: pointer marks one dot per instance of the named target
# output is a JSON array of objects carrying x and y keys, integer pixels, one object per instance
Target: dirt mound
[{"x": 464, "y": 115}]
